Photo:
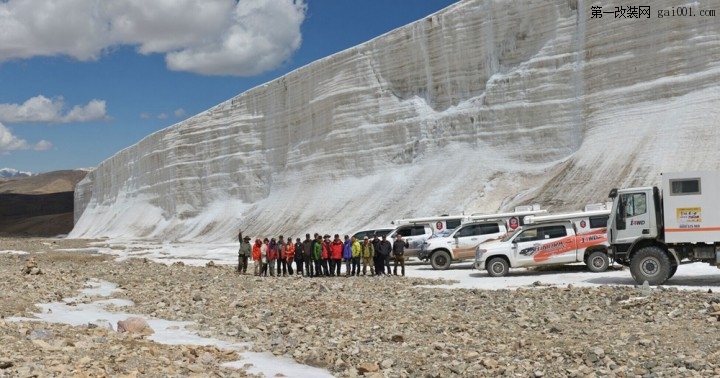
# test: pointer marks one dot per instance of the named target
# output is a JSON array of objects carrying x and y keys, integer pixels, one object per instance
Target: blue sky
[{"x": 81, "y": 80}]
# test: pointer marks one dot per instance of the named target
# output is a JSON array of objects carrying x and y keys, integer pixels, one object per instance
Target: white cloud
[
  {"x": 43, "y": 109},
  {"x": 145, "y": 115},
  {"x": 179, "y": 112},
  {"x": 212, "y": 37},
  {"x": 10, "y": 142},
  {"x": 162, "y": 116}
]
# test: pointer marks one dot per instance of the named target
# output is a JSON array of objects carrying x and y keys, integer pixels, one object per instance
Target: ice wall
[{"x": 480, "y": 107}]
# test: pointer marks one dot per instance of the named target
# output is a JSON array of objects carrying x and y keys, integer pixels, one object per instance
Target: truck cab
[{"x": 652, "y": 231}]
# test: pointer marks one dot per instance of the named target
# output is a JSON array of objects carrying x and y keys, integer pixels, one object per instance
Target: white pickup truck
[{"x": 557, "y": 239}]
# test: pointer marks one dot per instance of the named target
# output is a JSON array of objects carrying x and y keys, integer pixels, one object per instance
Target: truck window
[
  {"x": 468, "y": 231},
  {"x": 599, "y": 222},
  {"x": 418, "y": 230},
  {"x": 634, "y": 203},
  {"x": 528, "y": 235},
  {"x": 684, "y": 187},
  {"x": 452, "y": 224},
  {"x": 492, "y": 228},
  {"x": 405, "y": 232},
  {"x": 551, "y": 232}
]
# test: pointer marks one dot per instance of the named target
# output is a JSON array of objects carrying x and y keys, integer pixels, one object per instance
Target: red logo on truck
[{"x": 438, "y": 225}]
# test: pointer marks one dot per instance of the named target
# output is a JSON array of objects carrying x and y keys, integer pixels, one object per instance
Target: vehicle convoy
[
  {"x": 459, "y": 244},
  {"x": 653, "y": 232},
  {"x": 549, "y": 240}
]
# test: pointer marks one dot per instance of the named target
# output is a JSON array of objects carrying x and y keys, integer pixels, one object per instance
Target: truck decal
[{"x": 544, "y": 252}]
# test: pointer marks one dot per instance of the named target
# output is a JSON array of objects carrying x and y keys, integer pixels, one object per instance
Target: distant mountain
[{"x": 10, "y": 172}]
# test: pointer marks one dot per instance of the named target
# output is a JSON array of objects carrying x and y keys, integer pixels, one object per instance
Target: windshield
[
  {"x": 442, "y": 234},
  {"x": 510, "y": 234}
]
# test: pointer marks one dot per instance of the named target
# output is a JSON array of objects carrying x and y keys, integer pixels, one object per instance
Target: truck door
[
  {"x": 544, "y": 245},
  {"x": 632, "y": 219},
  {"x": 467, "y": 238}
]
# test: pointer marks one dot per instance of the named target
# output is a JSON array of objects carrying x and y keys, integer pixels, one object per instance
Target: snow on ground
[
  {"x": 11, "y": 252},
  {"x": 74, "y": 312},
  {"x": 695, "y": 276}
]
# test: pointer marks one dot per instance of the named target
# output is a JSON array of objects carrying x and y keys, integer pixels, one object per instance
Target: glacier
[{"x": 480, "y": 107}]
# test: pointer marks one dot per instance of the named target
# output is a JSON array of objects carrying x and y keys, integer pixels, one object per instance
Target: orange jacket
[
  {"x": 289, "y": 251},
  {"x": 256, "y": 251}
]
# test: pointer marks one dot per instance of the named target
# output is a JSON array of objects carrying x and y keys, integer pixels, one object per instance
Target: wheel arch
[
  {"x": 442, "y": 249},
  {"x": 595, "y": 248},
  {"x": 640, "y": 244}
]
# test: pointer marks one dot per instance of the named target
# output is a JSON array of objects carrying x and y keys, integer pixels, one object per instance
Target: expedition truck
[
  {"x": 549, "y": 240},
  {"x": 653, "y": 232},
  {"x": 459, "y": 244}
]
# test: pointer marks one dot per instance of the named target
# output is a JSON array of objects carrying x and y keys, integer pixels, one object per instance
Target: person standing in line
[
  {"x": 378, "y": 260},
  {"x": 399, "y": 254},
  {"x": 347, "y": 255},
  {"x": 263, "y": 256},
  {"x": 317, "y": 255},
  {"x": 308, "y": 256},
  {"x": 257, "y": 257},
  {"x": 387, "y": 260},
  {"x": 326, "y": 256},
  {"x": 281, "y": 261},
  {"x": 244, "y": 252},
  {"x": 384, "y": 249},
  {"x": 299, "y": 260},
  {"x": 272, "y": 256},
  {"x": 289, "y": 255},
  {"x": 367, "y": 254},
  {"x": 356, "y": 252},
  {"x": 336, "y": 252}
]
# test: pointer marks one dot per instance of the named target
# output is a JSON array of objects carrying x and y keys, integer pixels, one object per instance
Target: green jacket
[
  {"x": 245, "y": 249},
  {"x": 317, "y": 251},
  {"x": 367, "y": 250}
]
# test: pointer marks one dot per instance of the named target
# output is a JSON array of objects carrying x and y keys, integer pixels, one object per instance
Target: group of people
[{"x": 320, "y": 256}]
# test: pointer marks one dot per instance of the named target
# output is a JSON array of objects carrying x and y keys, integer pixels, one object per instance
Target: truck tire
[
  {"x": 673, "y": 270},
  {"x": 650, "y": 264},
  {"x": 598, "y": 261},
  {"x": 440, "y": 260},
  {"x": 497, "y": 267}
]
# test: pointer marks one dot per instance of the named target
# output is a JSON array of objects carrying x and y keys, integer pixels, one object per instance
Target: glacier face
[{"x": 480, "y": 107}]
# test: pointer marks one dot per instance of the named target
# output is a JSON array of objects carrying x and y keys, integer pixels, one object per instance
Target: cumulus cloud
[
  {"x": 10, "y": 142},
  {"x": 211, "y": 37},
  {"x": 43, "y": 109}
]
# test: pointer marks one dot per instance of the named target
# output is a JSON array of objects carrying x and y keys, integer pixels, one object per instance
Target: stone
[
  {"x": 134, "y": 325},
  {"x": 367, "y": 367}
]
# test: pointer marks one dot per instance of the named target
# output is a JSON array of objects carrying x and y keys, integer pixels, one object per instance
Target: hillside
[
  {"x": 481, "y": 107},
  {"x": 40, "y": 205}
]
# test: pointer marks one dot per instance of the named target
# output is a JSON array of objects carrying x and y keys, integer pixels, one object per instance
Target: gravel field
[{"x": 358, "y": 326}]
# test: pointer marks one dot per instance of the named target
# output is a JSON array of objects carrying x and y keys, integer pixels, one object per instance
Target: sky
[{"x": 81, "y": 80}]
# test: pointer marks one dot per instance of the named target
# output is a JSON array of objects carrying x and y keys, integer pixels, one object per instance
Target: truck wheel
[
  {"x": 650, "y": 264},
  {"x": 598, "y": 261},
  {"x": 673, "y": 269},
  {"x": 497, "y": 267},
  {"x": 440, "y": 260}
]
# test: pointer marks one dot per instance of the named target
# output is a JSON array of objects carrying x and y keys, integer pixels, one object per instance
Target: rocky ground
[{"x": 379, "y": 327}]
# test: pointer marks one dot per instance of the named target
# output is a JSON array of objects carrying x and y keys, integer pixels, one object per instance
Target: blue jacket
[{"x": 347, "y": 249}]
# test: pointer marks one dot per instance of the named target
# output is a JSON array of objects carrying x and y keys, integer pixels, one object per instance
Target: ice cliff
[{"x": 480, "y": 107}]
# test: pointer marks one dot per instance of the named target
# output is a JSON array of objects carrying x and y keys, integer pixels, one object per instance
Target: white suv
[
  {"x": 414, "y": 235},
  {"x": 460, "y": 243}
]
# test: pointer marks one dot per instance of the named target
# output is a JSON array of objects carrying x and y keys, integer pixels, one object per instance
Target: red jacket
[
  {"x": 272, "y": 253},
  {"x": 336, "y": 249},
  {"x": 256, "y": 251},
  {"x": 325, "y": 250}
]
